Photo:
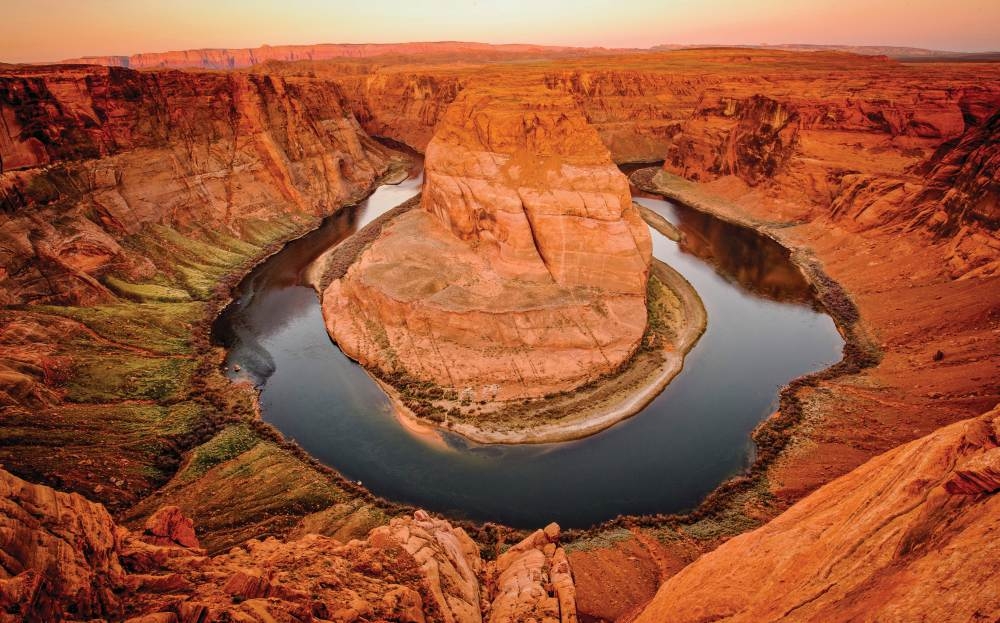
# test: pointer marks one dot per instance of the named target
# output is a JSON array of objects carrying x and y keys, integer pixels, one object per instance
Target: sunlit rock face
[
  {"x": 92, "y": 157},
  {"x": 904, "y": 537},
  {"x": 523, "y": 273}
]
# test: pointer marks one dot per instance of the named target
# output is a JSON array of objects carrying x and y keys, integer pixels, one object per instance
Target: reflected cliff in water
[{"x": 747, "y": 258}]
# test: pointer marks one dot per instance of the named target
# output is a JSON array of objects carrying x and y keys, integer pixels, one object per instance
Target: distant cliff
[{"x": 235, "y": 58}]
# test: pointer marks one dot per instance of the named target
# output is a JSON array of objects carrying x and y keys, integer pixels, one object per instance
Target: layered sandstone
[
  {"x": 908, "y": 536},
  {"x": 64, "y": 558},
  {"x": 125, "y": 199},
  {"x": 883, "y": 172},
  {"x": 523, "y": 274},
  {"x": 92, "y": 156}
]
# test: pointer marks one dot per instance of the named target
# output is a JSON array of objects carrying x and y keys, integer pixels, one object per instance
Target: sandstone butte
[
  {"x": 523, "y": 273},
  {"x": 129, "y": 197}
]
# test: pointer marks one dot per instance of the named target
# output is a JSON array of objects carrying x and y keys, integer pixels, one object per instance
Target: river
[{"x": 764, "y": 329}]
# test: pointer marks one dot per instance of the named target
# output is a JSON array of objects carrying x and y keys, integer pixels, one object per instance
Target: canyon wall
[
  {"x": 524, "y": 270},
  {"x": 92, "y": 157},
  {"x": 814, "y": 135},
  {"x": 128, "y": 199}
]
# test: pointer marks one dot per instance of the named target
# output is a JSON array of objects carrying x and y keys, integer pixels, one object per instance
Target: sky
[{"x": 49, "y": 30}]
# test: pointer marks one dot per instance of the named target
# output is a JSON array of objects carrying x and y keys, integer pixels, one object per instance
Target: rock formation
[
  {"x": 532, "y": 581},
  {"x": 64, "y": 558},
  {"x": 93, "y": 156},
  {"x": 905, "y": 537},
  {"x": 523, "y": 274},
  {"x": 59, "y": 553}
]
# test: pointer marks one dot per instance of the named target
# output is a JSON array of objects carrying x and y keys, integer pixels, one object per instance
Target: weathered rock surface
[
  {"x": 908, "y": 536},
  {"x": 125, "y": 199},
  {"x": 58, "y": 553},
  {"x": 524, "y": 273},
  {"x": 93, "y": 156},
  {"x": 448, "y": 560},
  {"x": 63, "y": 558},
  {"x": 532, "y": 581}
]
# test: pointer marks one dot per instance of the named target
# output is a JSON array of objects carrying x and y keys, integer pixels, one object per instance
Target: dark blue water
[{"x": 763, "y": 330}]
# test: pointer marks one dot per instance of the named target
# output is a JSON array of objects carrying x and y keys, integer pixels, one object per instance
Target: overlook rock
[
  {"x": 909, "y": 536},
  {"x": 523, "y": 273}
]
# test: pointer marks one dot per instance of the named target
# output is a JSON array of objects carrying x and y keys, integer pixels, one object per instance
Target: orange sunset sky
[{"x": 48, "y": 30}]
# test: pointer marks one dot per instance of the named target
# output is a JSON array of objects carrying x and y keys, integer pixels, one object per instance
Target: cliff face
[
  {"x": 221, "y": 58},
  {"x": 905, "y": 537},
  {"x": 92, "y": 157},
  {"x": 524, "y": 271},
  {"x": 401, "y": 105},
  {"x": 66, "y": 559},
  {"x": 126, "y": 199}
]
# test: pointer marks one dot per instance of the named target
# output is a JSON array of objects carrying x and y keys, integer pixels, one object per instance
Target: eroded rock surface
[
  {"x": 532, "y": 581},
  {"x": 525, "y": 271},
  {"x": 908, "y": 536},
  {"x": 64, "y": 558}
]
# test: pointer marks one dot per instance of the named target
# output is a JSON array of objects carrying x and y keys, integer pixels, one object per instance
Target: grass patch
[
  {"x": 663, "y": 312},
  {"x": 228, "y": 444},
  {"x": 124, "y": 377},
  {"x": 262, "y": 232},
  {"x": 602, "y": 540},
  {"x": 158, "y": 327},
  {"x": 145, "y": 292}
]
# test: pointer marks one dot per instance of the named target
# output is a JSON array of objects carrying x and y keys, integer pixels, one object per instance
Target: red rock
[
  {"x": 169, "y": 526},
  {"x": 525, "y": 271},
  {"x": 893, "y": 540},
  {"x": 220, "y": 58},
  {"x": 59, "y": 553},
  {"x": 532, "y": 581}
]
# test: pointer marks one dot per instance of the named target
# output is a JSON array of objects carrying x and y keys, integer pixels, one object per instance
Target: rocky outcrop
[
  {"x": 58, "y": 553},
  {"x": 168, "y": 526},
  {"x": 532, "y": 581},
  {"x": 523, "y": 274},
  {"x": 448, "y": 560},
  {"x": 905, "y": 537},
  {"x": 63, "y": 558}
]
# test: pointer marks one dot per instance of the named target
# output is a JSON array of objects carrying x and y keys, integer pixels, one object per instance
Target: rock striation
[
  {"x": 126, "y": 199},
  {"x": 59, "y": 553},
  {"x": 92, "y": 156},
  {"x": 523, "y": 273}
]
